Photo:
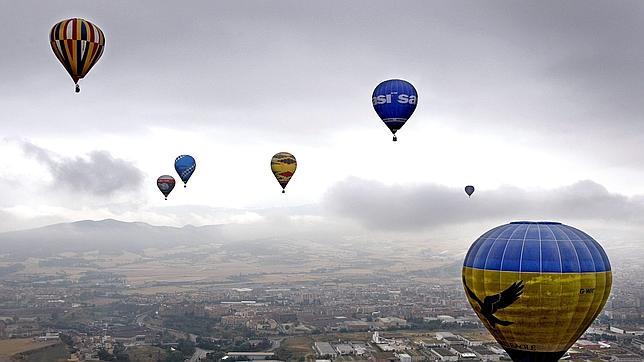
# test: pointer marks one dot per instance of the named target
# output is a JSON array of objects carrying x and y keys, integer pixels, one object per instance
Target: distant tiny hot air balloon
[
  {"x": 283, "y": 165},
  {"x": 185, "y": 165},
  {"x": 536, "y": 286},
  {"x": 78, "y": 45},
  {"x": 165, "y": 184},
  {"x": 395, "y": 101},
  {"x": 469, "y": 190}
]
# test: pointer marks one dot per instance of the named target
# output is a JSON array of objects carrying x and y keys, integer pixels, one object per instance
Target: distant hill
[
  {"x": 451, "y": 270},
  {"x": 108, "y": 236}
]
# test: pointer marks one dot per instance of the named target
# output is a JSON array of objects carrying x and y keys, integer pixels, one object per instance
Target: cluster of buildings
[
  {"x": 101, "y": 311},
  {"x": 326, "y": 308},
  {"x": 455, "y": 346},
  {"x": 350, "y": 348},
  {"x": 443, "y": 346}
]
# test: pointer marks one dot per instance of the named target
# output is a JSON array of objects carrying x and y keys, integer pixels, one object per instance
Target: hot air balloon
[
  {"x": 78, "y": 44},
  {"x": 536, "y": 286},
  {"x": 165, "y": 184},
  {"x": 394, "y": 100},
  {"x": 185, "y": 165},
  {"x": 469, "y": 190},
  {"x": 283, "y": 165}
]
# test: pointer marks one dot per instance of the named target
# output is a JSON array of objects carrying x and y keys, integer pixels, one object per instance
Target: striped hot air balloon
[
  {"x": 536, "y": 286},
  {"x": 283, "y": 166},
  {"x": 78, "y": 45}
]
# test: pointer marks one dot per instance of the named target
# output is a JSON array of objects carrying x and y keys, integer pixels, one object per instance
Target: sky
[{"x": 536, "y": 103}]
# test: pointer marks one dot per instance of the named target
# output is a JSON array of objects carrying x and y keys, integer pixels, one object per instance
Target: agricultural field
[
  {"x": 10, "y": 347},
  {"x": 146, "y": 353},
  {"x": 296, "y": 348},
  {"x": 55, "y": 353}
]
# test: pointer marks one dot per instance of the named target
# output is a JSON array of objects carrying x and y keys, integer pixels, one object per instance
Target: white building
[
  {"x": 447, "y": 319},
  {"x": 49, "y": 336},
  {"x": 470, "y": 341},
  {"x": 344, "y": 349},
  {"x": 463, "y": 352},
  {"x": 444, "y": 355},
  {"x": 441, "y": 335},
  {"x": 375, "y": 338},
  {"x": 621, "y": 330},
  {"x": 324, "y": 349}
]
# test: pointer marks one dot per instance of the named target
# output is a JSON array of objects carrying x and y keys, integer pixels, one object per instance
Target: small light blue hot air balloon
[
  {"x": 185, "y": 165},
  {"x": 395, "y": 101}
]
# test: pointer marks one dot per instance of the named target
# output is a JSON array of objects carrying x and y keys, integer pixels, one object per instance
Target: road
[
  {"x": 276, "y": 343},
  {"x": 140, "y": 319},
  {"x": 198, "y": 355}
]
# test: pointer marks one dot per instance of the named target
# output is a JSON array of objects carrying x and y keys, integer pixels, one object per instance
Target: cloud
[
  {"x": 97, "y": 174},
  {"x": 17, "y": 218},
  {"x": 417, "y": 207},
  {"x": 563, "y": 80}
]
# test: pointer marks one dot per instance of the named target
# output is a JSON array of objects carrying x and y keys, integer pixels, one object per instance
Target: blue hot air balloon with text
[
  {"x": 395, "y": 101},
  {"x": 185, "y": 165}
]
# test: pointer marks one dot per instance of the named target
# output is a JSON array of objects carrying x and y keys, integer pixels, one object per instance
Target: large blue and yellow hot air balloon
[
  {"x": 536, "y": 286},
  {"x": 394, "y": 100},
  {"x": 78, "y": 45}
]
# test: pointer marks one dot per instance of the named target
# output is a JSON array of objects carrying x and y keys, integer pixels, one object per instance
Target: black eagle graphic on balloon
[{"x": 493, "y": 303}]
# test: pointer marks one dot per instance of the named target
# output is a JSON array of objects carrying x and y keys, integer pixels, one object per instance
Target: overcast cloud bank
[
  {"x": 555, "y": 82},
  {"x": 423, "y": 206}
]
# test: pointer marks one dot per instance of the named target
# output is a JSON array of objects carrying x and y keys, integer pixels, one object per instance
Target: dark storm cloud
[
  {"x": 98, "y": 174},
  {"x": 404, "y": 208}
]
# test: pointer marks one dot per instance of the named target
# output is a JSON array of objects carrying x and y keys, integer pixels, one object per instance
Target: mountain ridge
[{"x": 106, "y": 235}]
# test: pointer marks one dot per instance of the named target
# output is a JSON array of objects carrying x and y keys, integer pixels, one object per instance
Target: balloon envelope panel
[
  {"x": 283, "y": 166},
  {"x": 395, "y": 101},
  {"x": 536, "y": 286},
  {"x": 185, "y": 166}
]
